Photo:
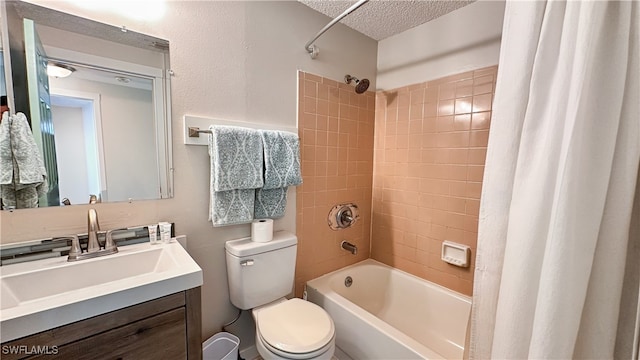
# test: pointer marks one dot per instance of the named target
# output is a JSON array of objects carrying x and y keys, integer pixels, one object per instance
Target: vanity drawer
[
  {"x": 165, "y": 328},
  {"x": 160, "y": 337}
]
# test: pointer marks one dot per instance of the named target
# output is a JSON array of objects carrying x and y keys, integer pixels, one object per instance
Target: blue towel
[
  {"x": 236, "y": 170},
  {"x": 232, "y": 207},
  {"x": 236, "y": 158},
  {"x": 270, "y": 203},
  {"x": 281, "y": 159}
]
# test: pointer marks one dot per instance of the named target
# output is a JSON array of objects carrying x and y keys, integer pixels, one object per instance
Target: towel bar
[
  {"x": 195, "y": 131},
  {"x": 192, "y": 125}
]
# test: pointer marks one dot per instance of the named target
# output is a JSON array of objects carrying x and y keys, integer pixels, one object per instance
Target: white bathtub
[{"x": 389, "y": 314}]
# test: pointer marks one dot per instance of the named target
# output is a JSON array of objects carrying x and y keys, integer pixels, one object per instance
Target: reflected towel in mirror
[
  {"x": 6, "y": 158},
  {"x": 25, "y": 179}
]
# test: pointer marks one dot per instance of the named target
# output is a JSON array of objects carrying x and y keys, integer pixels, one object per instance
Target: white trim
[
  {"x": 249, "y": 353},
  {"x": 6, "y": 55},
  {"x": 161, "y": 104},
  {"x": 97, "y": 111},
  {"x": 167, "y": 190},
  {"x": 107, "y": 63},
  {"x": 161, "y": 130}
]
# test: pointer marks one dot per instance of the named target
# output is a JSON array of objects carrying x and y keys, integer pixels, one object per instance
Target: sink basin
[
  {"x": 43, "y": 294},
  {"x": 81, "y": 275}
]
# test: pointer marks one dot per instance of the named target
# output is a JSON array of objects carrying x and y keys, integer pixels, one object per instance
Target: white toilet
[{"x": 260, "y": 275}]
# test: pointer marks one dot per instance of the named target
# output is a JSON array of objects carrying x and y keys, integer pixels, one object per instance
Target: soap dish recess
[{"x": 455, "y": 254}]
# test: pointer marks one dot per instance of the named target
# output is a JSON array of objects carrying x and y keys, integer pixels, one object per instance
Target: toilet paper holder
[{"x": 343, "y": 216}]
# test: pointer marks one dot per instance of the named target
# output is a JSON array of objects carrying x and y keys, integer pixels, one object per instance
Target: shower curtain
[{"x": 561, "y": 174}]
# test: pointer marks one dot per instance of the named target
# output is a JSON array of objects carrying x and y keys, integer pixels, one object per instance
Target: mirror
[{"x": 103, "y": 122}]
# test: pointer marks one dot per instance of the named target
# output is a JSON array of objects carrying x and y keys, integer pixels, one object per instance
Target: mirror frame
[{"x": 161, "y": 78}]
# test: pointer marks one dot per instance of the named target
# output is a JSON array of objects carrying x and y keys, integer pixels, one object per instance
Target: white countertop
[{"x": 44, "y": 294}]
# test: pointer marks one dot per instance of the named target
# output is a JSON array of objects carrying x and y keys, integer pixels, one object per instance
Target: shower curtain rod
[{"x": 314, "y": 50}]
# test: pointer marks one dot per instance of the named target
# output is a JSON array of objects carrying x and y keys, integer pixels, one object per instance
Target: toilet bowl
[
  {"x": 260, "y": 275},
  {"x": 294, "y": 329}
]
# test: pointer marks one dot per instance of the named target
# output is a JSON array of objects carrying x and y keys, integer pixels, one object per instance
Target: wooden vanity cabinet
[{"x": 169, "y": 327}]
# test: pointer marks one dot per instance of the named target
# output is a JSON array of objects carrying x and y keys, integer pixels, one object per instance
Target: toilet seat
[
  {"x": 295, "y": 329},
  {"x": 326, "y": 350}
]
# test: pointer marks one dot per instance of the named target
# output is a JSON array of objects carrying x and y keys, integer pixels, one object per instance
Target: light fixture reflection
[
  {"x": 145, "y": 10},
  {"x": 123, "y": 79},
  {"x": 59, "y": 70}
]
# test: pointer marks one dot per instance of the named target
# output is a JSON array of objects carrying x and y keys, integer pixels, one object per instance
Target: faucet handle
[
  {"x": 75, "y": 250},
  {"x": 109, "y": 243}
]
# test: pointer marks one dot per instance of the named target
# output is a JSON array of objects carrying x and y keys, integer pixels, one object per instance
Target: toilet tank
[{"x": 259, "y": 273}]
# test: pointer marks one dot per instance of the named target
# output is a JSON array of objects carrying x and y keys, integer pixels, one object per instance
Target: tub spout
[{"x": 349, "y": 247}]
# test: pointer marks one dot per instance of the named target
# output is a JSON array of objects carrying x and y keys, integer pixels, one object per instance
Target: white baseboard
[
  {"x": 341, "y": 355},
  {"x": 249, "y": 353}
]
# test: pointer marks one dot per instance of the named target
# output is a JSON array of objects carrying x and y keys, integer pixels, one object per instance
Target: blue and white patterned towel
[
  {"x": 6, "y": 155},
  {"x": 236, "y": 158},
  {"x": 23, "y": 177},
  {"x": 270, "y": 203},
  {"x": 236, "y": 171},
  {"x": 232, "y": 207},
  {"x": 21, "y": 150},
  {"x": 281, "y": 159}
]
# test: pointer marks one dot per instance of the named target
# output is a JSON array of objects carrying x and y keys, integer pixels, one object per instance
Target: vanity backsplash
[{"x": 60, "y": 246}]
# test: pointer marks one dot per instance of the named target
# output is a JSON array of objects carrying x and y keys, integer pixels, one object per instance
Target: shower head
[{"x": 361, "y": 85}]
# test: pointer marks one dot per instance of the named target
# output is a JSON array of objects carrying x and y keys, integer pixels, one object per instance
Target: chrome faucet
[
  {"x": 349, "y": 247},
  {"x": 93, "y": 246}
]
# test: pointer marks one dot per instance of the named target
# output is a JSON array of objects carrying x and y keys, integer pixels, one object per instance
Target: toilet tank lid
[{"x": 246, "y": 247}]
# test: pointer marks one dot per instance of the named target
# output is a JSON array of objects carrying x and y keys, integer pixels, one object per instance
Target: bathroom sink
[{"x": 43, "y": 294}]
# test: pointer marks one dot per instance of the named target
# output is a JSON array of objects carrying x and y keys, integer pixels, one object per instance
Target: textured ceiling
[{"x": 379, "y": 19}]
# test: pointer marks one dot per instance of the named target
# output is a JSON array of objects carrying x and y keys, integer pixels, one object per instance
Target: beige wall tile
[
  {"x": 430, "y": 146},
  {"x": 337, "y": 139},
  {"x": 430, "y": 150}
]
